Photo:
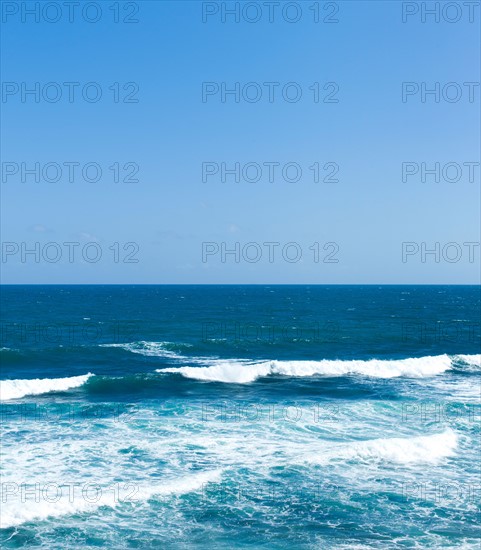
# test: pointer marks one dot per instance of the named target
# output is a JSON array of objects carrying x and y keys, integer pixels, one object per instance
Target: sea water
[{"x": 291, "y": 417}]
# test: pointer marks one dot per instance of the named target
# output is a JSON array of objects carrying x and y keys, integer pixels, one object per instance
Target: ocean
[{"x": 234, "y": 417}]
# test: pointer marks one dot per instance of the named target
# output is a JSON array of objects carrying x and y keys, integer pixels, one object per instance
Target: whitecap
[
  {"x": 242, "y": 372},
  {"x": 14, "y": 389}
]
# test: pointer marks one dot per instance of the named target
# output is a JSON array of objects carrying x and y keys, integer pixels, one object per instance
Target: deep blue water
[{"x": 240, "y": 417}]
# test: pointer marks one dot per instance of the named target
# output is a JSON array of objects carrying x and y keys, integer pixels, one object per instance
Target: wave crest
[
  {"x": 239, "y": 372},
  {"x": 415, "y": 450},
  {"x": 472, "y": 360},
  {"x": 14, "y": 389}
]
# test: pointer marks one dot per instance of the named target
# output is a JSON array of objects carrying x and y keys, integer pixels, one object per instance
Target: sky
[{"x": 157, "y": 142}]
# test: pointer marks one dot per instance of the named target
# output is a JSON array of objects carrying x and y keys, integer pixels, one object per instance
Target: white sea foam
[
  {"x": 418, "y": 450},
  {"x": 150, "y": 349},
  {"x": 474, "y": 359},
  {"x": 14, "y": 389},
  {"x": 30, "y": 503},
  {"x": 235, "y": 371}
]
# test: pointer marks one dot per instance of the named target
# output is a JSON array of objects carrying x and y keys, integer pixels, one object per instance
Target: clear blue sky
[{"x": 170, "y": 132}]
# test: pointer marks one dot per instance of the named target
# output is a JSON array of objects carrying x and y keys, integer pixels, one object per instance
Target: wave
[
  {"x": 473, "y": 360},
  {"x": 14, "y": 389},
  {"x": 23, "y": 511},
  {"x": 242, "y": 372},
  {"x": 150, "y": 349},
  {"x": 415, "y": 450}
]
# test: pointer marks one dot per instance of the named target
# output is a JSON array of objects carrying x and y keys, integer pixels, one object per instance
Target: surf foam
[
  {"x": 474, "y": 360},
  {"x": 42, "y": 505},
  {"x": 150, "y": 349},
  {"x": 14, "y": 389},
  {"x": 415, "y": 450},
  {"x": 239, "y": 372}
]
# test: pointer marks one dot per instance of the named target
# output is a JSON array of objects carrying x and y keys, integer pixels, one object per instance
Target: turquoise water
[{"x": 240, "y": 417}]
